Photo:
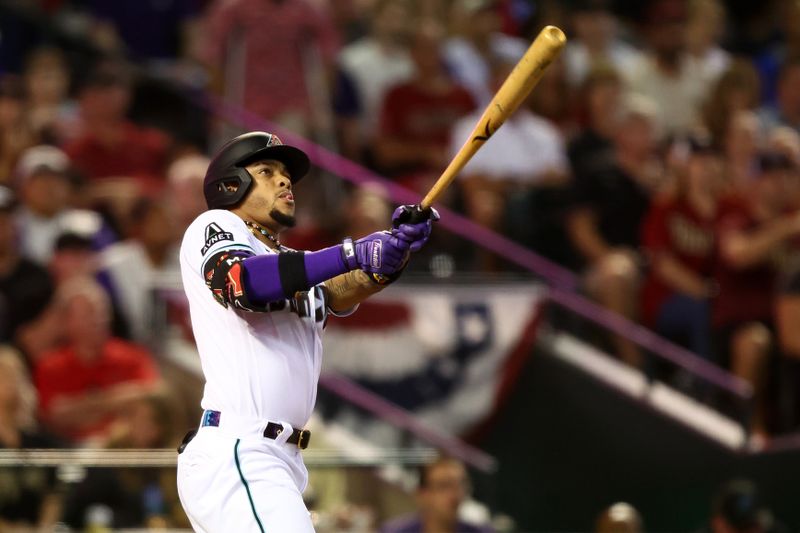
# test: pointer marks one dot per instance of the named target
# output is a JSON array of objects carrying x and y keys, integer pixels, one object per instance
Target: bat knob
[{"x": 411, "y": 214}]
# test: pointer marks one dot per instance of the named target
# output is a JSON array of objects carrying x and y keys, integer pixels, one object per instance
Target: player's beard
[{"x": 287, "y": 221}]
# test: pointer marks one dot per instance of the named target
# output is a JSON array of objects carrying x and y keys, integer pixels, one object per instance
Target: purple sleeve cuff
[
  {"x": 325, "y": 264},
  {"x": 262, "y": 275}
]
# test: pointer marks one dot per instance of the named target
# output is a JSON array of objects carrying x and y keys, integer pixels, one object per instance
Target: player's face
[{"x": 270, "y": 202}]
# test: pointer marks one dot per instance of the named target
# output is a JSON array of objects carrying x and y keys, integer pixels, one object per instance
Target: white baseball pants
[{"x": 232, "y": 478}]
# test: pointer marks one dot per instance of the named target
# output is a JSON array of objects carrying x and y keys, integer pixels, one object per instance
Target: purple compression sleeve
[{"x": 262, "y": 274}]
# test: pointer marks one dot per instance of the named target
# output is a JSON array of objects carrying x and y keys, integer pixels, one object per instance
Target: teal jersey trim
[{"x": 246, "y": 486}]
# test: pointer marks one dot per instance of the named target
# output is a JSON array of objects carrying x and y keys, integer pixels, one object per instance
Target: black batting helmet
[{"x": 229, "y": 162}]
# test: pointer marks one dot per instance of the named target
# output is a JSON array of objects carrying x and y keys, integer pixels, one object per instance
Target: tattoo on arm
[{"x": 348, "y": 289}]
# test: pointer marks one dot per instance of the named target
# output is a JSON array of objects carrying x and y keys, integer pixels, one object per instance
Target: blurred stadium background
[{"x": 603, "y": 330}]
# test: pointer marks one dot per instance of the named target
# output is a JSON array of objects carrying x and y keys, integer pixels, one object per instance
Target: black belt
[{"x": 299, "y": 437}]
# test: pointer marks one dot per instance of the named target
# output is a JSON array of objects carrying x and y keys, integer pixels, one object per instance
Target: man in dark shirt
[
  {"x": 25, "y": 288},
  {"x": 601, "y": 93},
  {"x": 611, "y": 199}
]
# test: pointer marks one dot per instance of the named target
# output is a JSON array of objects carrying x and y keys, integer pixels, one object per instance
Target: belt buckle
[{"x": 303, "y": 439}]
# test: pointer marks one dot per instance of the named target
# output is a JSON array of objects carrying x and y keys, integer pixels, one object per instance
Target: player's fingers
[
  {"x": 414, "y": 231},
  {"x": 394, "y": 257}
]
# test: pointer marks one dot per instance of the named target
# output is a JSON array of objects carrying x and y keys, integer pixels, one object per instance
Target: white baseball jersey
[{"x": 259, "y": 365}]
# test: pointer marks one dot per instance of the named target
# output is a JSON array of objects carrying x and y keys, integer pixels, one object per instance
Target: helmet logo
[{"x": 273, "y": 140}]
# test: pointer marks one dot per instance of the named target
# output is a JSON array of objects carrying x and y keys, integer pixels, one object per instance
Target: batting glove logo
[{"x": 377, "y": 247}]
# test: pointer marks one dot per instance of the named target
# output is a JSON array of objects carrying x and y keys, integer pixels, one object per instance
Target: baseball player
[{"x": 258, "y": 310}]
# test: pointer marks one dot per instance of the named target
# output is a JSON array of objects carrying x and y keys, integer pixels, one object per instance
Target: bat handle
[{"x": 411, "y": 214}]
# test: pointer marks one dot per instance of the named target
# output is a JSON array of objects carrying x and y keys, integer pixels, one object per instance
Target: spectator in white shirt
[
  {"x": 470, "y": 54},
  {"x": 667, "y": 74},
  {"x": 379, "y": 61},
  {"x": 596, "y": 42},
  {"x": 45, "y": 213},
  {"x": 142, "y": 263},
  {"x": 705, "y": 29},
  {"x": 523, "y": 157}
]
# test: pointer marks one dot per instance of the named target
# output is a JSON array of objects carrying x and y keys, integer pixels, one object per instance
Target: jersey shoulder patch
[{"x": 213, "y": 235}]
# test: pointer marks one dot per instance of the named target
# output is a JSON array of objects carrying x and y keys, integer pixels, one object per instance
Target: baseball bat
[{"x": 525, "y": 75}]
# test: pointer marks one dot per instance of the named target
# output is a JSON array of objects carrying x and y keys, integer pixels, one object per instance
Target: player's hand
[
  {"x": 379, "y": 253},
  {"x": 413, "y": 225}
]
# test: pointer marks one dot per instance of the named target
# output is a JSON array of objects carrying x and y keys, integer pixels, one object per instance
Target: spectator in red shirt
[
  {"x": 755, "y": 230},
  {"x": 417, "y": 115},
  {"x": 276, "y": 40},
  {"x": 84, "y": 386},
  {"x": 110, "y": 146},
  {"x": 678, "y": 238}
]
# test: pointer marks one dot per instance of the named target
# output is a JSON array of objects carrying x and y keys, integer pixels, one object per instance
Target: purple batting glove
[
  {"x": 378, "y": 253},
  {"x": 413, "y": 225}
]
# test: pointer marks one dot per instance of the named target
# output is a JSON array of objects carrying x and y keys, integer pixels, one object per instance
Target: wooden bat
[{"x": 526, "y": 74}]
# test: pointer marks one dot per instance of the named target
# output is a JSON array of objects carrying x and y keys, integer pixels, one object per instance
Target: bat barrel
[{"x": 525, "y": 75}]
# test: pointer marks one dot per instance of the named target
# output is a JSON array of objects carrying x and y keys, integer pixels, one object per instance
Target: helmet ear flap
[{"x": 222, "y": 196}]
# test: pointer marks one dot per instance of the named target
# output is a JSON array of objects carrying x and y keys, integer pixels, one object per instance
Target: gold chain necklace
[{"x": 256, "y": 228}]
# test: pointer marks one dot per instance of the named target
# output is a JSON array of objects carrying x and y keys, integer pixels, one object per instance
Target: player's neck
[{"x": 264, "y": 234}]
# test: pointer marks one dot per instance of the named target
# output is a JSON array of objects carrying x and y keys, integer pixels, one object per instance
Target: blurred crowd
[{"x": 659, "y": 158}]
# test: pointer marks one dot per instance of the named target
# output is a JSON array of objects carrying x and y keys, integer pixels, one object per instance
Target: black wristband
[{"x": 292, "y": 270}]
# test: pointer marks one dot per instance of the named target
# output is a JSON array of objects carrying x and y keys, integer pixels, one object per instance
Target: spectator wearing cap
[
  {"x": 25, "y": 287},
  {"x": 141, "y": 264},
  {"x": 15, "y": 135},
  {"x": 678, "y": 241},
  {"x": 609, "y": 203},
  {"x": 666, "y": 74},
  {"x": 478, "y": 45},
  {"x": 442, "y": 489},
  {"x": 88, "y": 382},
  {"x": 755, "y": 233},
  {"x": 44, "y": 213},
  {"x": 109, "y": 145},
  {"x": 74, "y": 257},
  {"x": 596, "y": 43},
  {"x": 377, "y": 62}
]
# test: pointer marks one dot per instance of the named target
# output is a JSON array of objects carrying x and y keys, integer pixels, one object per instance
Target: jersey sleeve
[{"x": 211, "y": 233}]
